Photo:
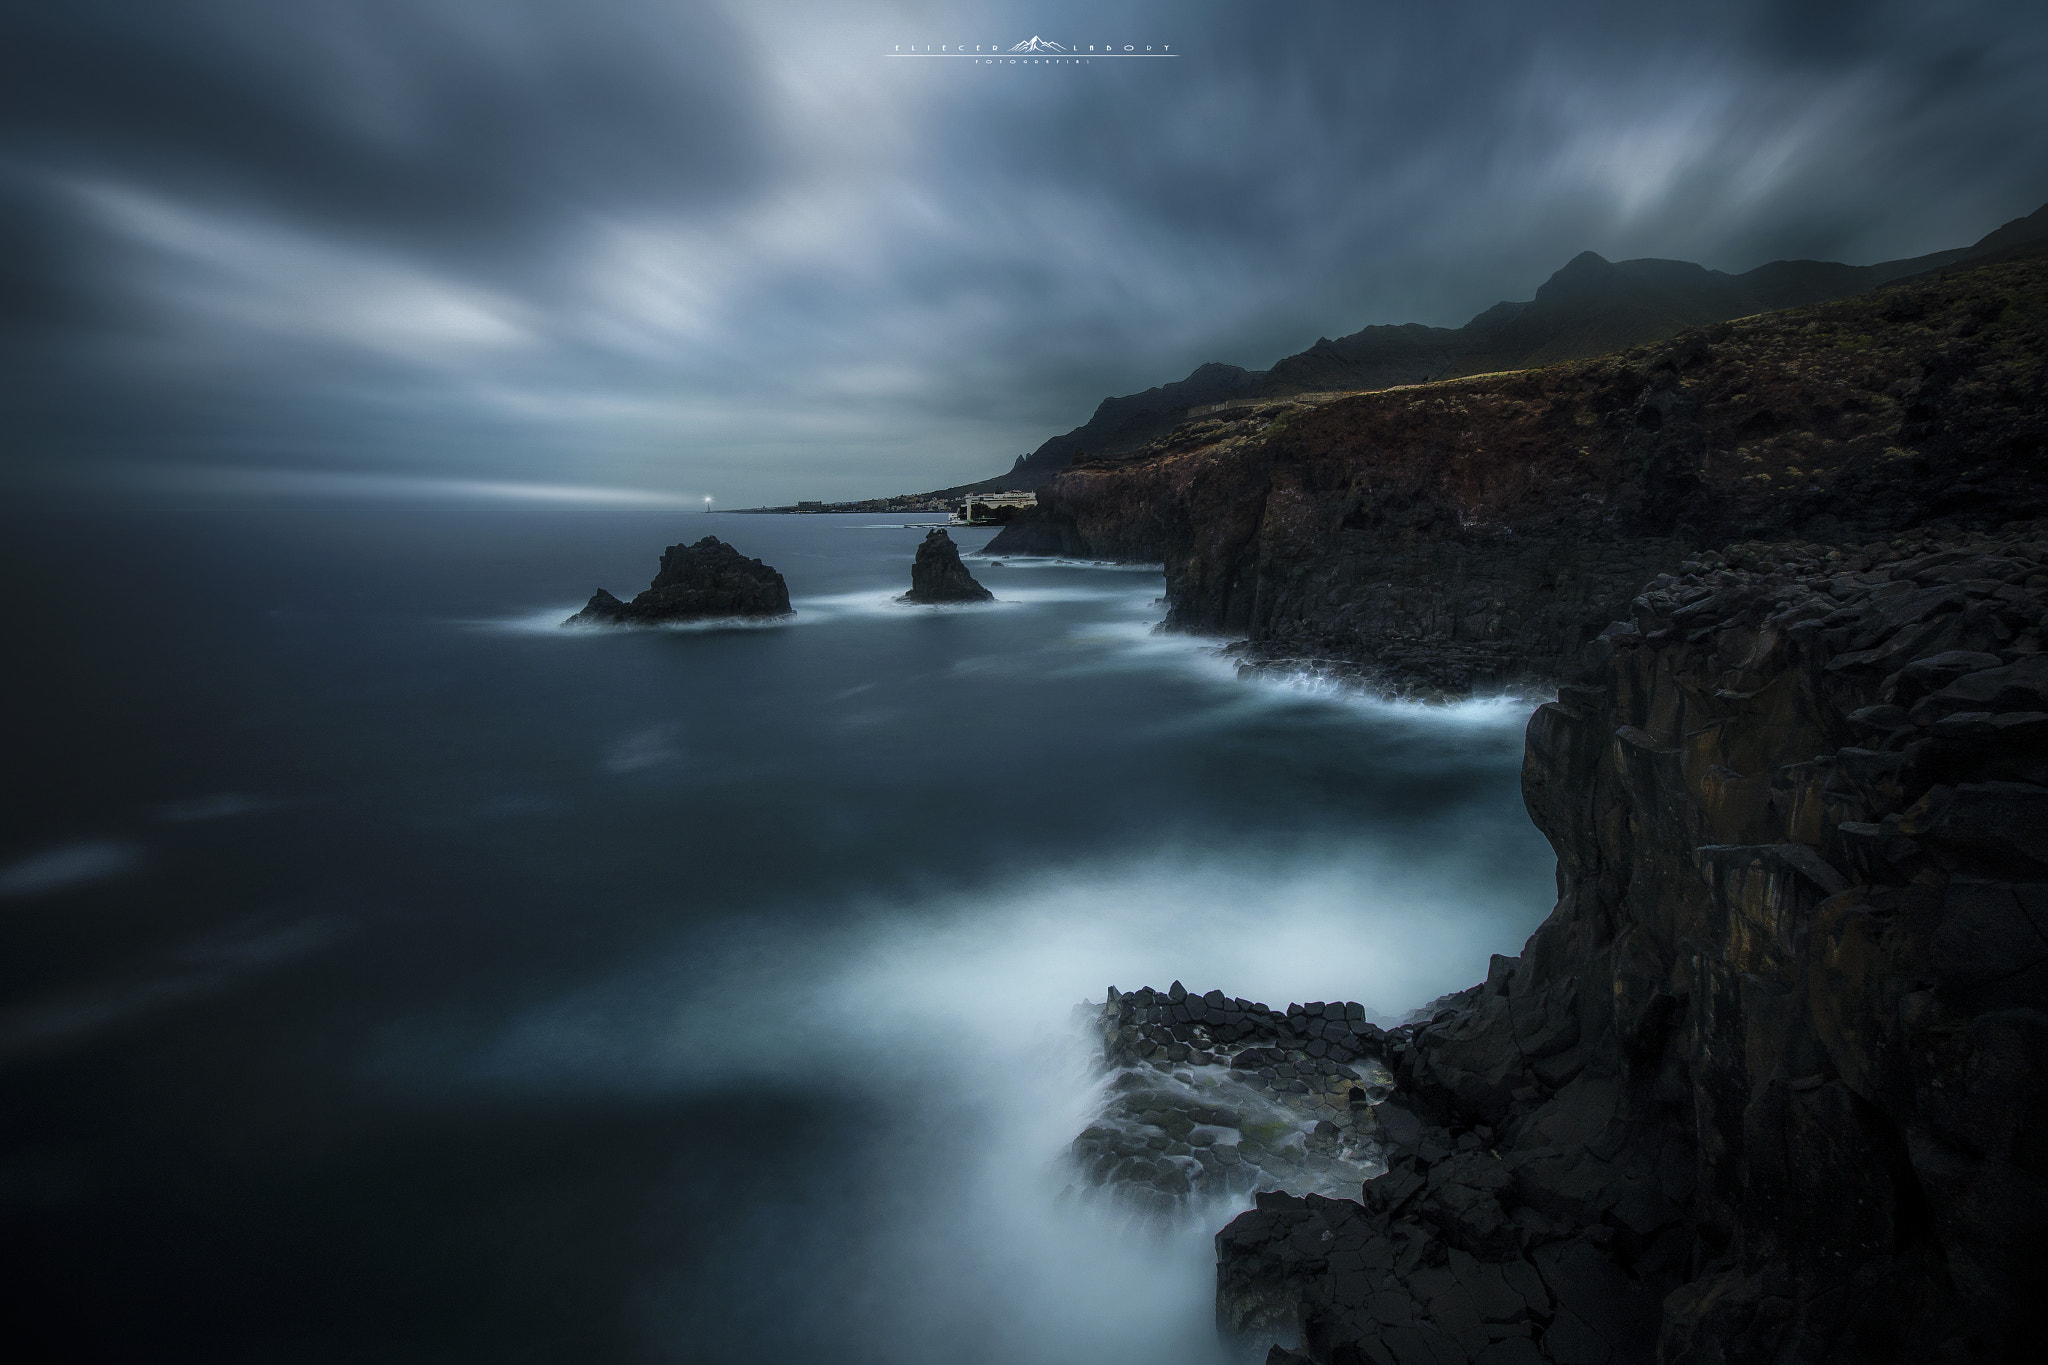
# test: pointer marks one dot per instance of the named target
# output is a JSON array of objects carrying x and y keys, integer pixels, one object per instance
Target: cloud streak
[{"x": 694, "y": 246}]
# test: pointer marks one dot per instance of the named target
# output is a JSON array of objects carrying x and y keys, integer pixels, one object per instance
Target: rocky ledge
[
  {"x": 1208, "y": 1096},
  {"x": 1771, "y": 1082},
  {"x": 706, "y": 581},
  {"x": 938, "y": 576}
]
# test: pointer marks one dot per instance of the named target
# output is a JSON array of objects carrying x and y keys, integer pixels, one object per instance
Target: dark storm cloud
[
  {"x": 734, "y": 248},
  {"x": 451, "y": 127}
]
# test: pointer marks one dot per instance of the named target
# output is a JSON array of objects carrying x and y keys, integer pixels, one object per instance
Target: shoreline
[{"x": 1728, "y": 1102}]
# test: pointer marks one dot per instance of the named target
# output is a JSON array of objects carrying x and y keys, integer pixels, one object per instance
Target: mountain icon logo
[{"x": 1038, "y": 44}]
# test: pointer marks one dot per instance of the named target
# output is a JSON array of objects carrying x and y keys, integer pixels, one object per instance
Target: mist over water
[{"x": 391, "y": 974}]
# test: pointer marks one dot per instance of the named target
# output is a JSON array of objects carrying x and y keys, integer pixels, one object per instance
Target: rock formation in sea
[
  {"x": 705, "y": 581},
  {"x": 1771, "y": 1082},
  {"x": 1476, "y": 533},
  {"x": 939, "y": 576}
]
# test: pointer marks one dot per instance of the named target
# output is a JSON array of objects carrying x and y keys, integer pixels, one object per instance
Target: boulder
[
  {"x": 706, "y": 581},
  {"x": 939, "y": 576}
]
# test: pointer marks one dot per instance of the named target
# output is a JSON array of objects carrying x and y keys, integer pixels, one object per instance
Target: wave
[
  {"x": 1138, "y": 642},
  {"x": 992, "y": 971},
  {"x": 549, "y": 622},
  {"x": 947, "y": 1024}
]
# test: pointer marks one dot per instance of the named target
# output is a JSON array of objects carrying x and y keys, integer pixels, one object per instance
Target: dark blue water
[{"x": 386, "y": 974}]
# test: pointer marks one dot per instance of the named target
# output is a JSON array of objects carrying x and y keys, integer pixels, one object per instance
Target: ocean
[{"x": 392, "y": 975}]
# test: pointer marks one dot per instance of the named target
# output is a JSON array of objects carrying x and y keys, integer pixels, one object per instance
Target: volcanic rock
[
  {"x": 1768, "y": 1083},
  {"x": 939, "y": 576},
  {"x": 1182, "y": 1122},
  {"x": 1477, "y": 534},
  {"x": 706, "y": 581}
]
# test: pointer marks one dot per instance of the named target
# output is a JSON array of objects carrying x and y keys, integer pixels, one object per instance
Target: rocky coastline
[
  {"x": 1770, "y": 1083},
  {"x": 1474, "y": 535}
]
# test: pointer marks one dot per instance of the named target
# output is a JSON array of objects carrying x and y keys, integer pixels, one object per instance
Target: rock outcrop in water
[
  {"x": 1771, "y": 1083},
  {"x": 1211, "y": 1096},
  {"x": 1477, "y": 533},
  {"x": 709, "y": 580},
  {"x": 938, "y": 575}
]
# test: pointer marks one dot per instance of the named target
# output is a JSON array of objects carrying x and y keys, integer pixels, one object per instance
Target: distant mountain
[
  {"x": 1590, "y": 307},
  {"x": 2032, "y": 228}
]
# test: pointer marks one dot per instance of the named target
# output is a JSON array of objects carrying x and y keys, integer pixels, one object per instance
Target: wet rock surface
[
  {"x": 705, "y": 581},
  {"x": 937, "y": 575},
  {"x": 1771, "y": 1082},
  {"x": 1209, "y": 1096}
]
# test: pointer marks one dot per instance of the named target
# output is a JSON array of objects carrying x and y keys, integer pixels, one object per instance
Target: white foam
[
  {"x": 978, "y": 971},
  {"x": 551, "y": 622},
  {"x": 1137, "y": 642},
  {"x": 957, "y": 1010},
  {"x": 818, "y": 608},
  {"x": 878, "y": 604}
]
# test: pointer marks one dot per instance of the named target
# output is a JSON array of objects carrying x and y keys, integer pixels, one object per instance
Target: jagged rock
[
  {"x": 939, "y": 576},
  {"x": 708, "y": 580},
  {"x": 1768, "y": 1084},
  {"x": 1278, "y": 1117}
]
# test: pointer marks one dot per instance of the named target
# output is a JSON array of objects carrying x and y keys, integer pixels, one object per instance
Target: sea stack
[
  {"x": 705, "y": 581},
  {"x": 939, "y": 576}
]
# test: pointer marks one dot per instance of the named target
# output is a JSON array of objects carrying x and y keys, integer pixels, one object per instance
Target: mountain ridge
[{"x": 1590, "y": 306}]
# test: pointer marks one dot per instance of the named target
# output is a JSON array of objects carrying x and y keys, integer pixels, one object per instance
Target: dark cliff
[
  {"x": 1771, "y": 1083},
  {"x": 1477, "y": 532}
]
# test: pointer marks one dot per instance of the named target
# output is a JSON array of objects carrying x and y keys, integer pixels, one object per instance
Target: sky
[{"x": 750, "y": 251}]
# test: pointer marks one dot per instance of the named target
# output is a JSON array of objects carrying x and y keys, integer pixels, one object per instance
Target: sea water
[{"x": 392, "y": 975}]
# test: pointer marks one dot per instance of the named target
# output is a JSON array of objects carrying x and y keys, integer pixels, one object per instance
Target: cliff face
[
  {"x": 1771, "y": 1083},
  {"x": 1481, "y": 531}
]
